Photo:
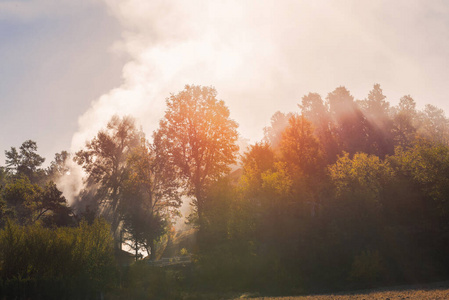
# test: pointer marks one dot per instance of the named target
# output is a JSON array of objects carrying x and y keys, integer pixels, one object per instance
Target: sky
[{"x": 67, "y": 66}]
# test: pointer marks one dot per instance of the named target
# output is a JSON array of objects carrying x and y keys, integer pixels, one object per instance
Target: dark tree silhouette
[{"x": 105, "y": 161}]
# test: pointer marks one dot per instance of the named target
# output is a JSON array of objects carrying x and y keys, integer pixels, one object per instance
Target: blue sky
[
  {"x": 52, "y": 66},
  {"x": 67, "y": 66}
]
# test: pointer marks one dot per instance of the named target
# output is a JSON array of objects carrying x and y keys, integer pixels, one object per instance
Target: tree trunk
[
  {"x": 137, "y": 249},
  {"x": 153, "y": 251}
]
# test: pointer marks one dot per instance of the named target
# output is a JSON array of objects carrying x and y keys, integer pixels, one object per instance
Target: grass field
[{"x": 439, "y": 290}]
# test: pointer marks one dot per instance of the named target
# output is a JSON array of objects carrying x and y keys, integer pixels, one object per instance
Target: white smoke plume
[
  {"x": 261, "y": 56},
  {"x": 173, "y": 43}
]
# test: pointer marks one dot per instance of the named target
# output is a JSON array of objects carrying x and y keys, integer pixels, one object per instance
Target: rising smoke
[{"x": 261, "y": 56}]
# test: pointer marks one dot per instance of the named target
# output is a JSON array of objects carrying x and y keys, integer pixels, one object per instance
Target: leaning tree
[{"x": 105, "y": 161}]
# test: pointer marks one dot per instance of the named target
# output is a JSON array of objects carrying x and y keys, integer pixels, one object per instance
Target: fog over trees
[{"x": 342, "y": 193}]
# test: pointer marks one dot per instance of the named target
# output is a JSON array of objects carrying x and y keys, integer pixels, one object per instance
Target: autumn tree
[
  {"x": 303, "y": 166},
  {"x": 200, "y": 139},
  {"x": 299, "y": 146}
]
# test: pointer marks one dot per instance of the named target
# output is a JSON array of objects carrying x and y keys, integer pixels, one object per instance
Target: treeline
[{"x": 342, "y": 193}]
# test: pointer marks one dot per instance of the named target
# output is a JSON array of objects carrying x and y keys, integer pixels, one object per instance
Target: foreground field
[{"x": 435, "y": 291}]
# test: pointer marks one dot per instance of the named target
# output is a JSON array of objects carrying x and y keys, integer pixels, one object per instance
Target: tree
[
  {"x": 405, "y": 122},
  {"x": 299, "y": 146},
  {"x": 316, "y": 111},
  {"x": 53, "y": 206},
  {"x": 105, "y": 161},
  {"x": 313, "y": 108},
  {"x": 273, "y": 133},
  {"x": 28, "y": 202},
  {"x": 58, "y": 167},
  {"x": 421, "y": 209},
  {"x": 5, "y": 211},
  {"x": 23, "y": 198},
  {"x": 426, "y": 165},
  {"x": 151, "y": 196},
  {"x": 26, "y": 162},
  {"x": 364, "y": 174},
  {"x": 356, "y": 208},
  {"x": 258, "y": 159},
  {"x": 303, "y": 159},
  {"x": 200, "y": 139},
  {"x": 349, "y": 122},
  {"x": 375, "y": 106},
  {"x": 379, "y": 125},
  {"x": 435, "y": 125}
]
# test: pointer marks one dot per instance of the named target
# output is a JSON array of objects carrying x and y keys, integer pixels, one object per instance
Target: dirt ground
[{"x": 435, "y": 291}]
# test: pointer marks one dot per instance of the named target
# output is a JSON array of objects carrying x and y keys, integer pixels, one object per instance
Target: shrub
[
  {"x": 367, "y": 268},
  {"x": 62, "y": 262}
]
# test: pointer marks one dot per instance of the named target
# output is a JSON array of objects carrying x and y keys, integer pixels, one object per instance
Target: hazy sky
[{"x": 66, "y": 66}]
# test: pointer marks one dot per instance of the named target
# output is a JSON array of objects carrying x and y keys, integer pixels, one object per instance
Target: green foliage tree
[
  {"x": 405, "y": 122},
  {"x": 426, "y": 165},
  {"x": 258, "y": 159},
  {"x": 53, "y": 207},
  {"x": 23, "y": 198},
  {"x": 434, "y": 124},
  {"x": 26, "y": 161},
  {"x": 355, "y": 212},
  {"x": 58, "y": 167},
  {"x": 364, "y": 175},
  {"x": 152, "y": 197},
  {"x": 105, "y": 160},
  {"x": 28, "y": 202}
]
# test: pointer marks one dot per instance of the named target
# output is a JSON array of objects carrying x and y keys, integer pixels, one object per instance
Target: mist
[
  {"x": 260, "y": 56},
  {"x": 343, "y": 186}
]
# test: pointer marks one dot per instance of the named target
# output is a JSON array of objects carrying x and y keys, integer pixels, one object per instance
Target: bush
[
  {"x": 56, "y": 263},
  {"x": 142, "y": 281},
  {"x": 367, "y": 268}
]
